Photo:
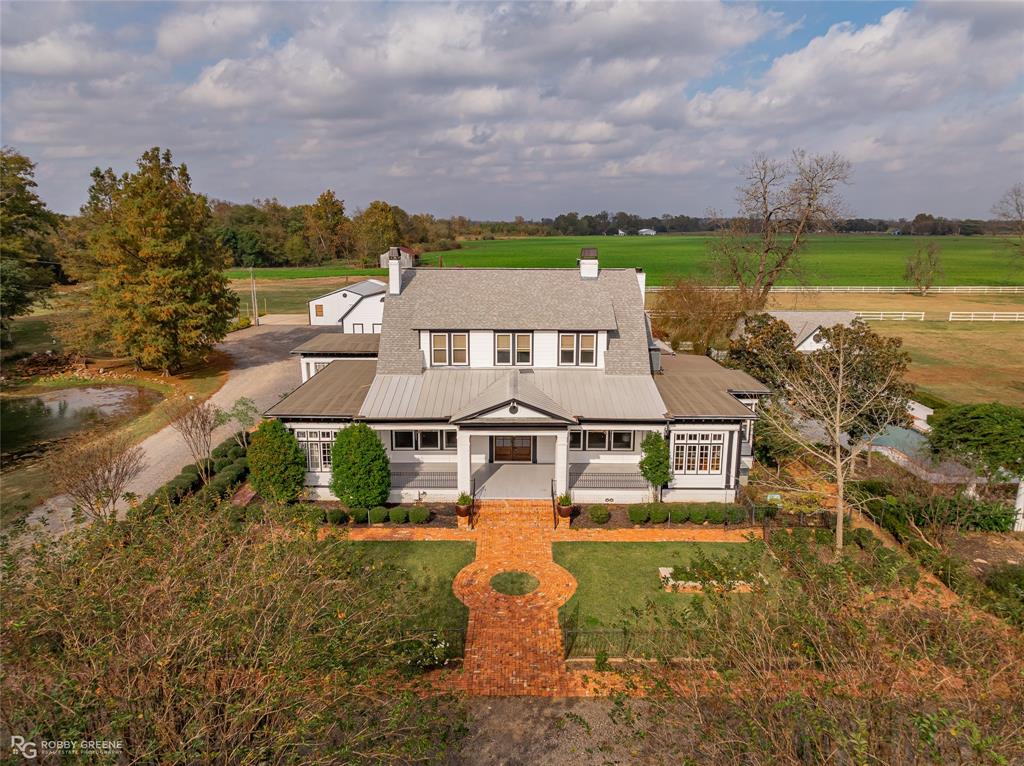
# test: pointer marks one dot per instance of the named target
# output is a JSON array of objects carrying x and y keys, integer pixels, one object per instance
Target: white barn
[{"x": 356, "y": 308}]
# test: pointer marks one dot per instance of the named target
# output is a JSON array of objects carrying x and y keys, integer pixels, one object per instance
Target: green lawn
[
  {"x": 432, "y": 566},
  {"x": 614, "y": 577},
  {"x": 828, "y": 260}
]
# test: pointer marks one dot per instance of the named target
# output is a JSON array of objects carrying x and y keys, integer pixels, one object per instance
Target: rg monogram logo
[{"x": 23, "y": 747}]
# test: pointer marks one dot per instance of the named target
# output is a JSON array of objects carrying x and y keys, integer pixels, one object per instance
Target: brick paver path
[{"x": 514, "y": 643}]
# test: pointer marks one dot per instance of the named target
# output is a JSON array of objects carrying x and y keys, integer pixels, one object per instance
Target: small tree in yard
[
  {"x": 245, "y": 413},
  {"x": 360, "y": 469},
  {"x": 95, "y": 473},
  {"x": 654, "y": 463},
  {"x": 849, "y": 389},
  {"x": 924, "y": 267},
  {"x": 277, "y": 464},
  {"x": 989, "y": 438},
  {"x": 196, "y": 424}
]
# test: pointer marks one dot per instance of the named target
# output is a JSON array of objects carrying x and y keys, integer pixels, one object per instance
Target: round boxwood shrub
[
  {"x": 658, "y": 513},
  {"x": 277, "y": 464},
  {"x": 599, "y": 514},
  {"x": 679, "y": 514},
  {"x": 419, "y": 515},
  {"x": 379, "y": 515},
  {"x": 221, "y": 463},
  {"x": 337, "y": 516},
  {"x": 716, "y": 514},
  {"x": 398, "y": 515},
  {"x": 639, "y": 514},
  {"x": 698, "y": 514},
  {"x": 236, "y": 452},
  {"x": 360, "y": 469},
  {"x": 359, "y": 515},
  {"x": 737, "y": 514}
]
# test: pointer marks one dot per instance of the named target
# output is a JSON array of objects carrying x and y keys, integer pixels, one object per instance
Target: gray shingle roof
[
  {"x": 805, "y": 323},
  {"x": 516, "y": 299},
  {"x": 441, "y": 393},
  {"x": 336, "y": 391},
  {"x": 364, "y": 288}
]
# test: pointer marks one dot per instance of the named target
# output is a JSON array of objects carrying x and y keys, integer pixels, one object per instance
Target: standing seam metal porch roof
[{"x": 445, "y": 393}]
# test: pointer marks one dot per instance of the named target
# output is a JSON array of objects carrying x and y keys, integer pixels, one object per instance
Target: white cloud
[
  {"x": 70, "y": 52},
  {"x": 212, "y": 28}
]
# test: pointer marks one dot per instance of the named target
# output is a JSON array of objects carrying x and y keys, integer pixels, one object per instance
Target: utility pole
[{"x": 252, "y": 292}]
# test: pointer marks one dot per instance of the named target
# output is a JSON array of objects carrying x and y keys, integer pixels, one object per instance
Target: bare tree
[
  {"x": 691, "y": 312},
  {"x": 95, "y": 473},
  {"x": 1010, "y": 208},
  {"x": 244, "y": 413},
  {"x": 780, "y": 204},
  {"x": 196, "y": 424},
  {"x": 924, "y": 267},
  {"x": 850, "y": 388}
]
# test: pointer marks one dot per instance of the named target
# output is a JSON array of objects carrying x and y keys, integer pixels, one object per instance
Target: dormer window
[
  {"x": 577, "y": 349},
  {"x": 449, "y": 348}
]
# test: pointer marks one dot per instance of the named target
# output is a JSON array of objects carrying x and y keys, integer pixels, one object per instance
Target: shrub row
[
  {"x": 695, "y": 513},
  {"x": 896, "y": 513}
]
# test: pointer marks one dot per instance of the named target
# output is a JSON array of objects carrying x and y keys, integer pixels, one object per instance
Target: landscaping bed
[
  {"x": 430, "y": 515},
  {"x": 660, "y": 514}
]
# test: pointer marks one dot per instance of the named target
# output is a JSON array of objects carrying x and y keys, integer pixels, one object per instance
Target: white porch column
[
  {"x": 462, "y": 460},
  {"x": 562, "y": 462}
]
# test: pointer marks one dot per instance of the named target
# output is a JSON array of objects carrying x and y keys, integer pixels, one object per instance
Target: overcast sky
[{"x": 496, "y": 110}]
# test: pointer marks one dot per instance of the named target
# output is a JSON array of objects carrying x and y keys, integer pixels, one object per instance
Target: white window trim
[
  {"x": 434, "y": 349},
  {"x": 396, "y": 448},
  {"x": 571, "y": 433},
  {"x": 360, "y": 326},
  {"x": 511, "y": 349},
  {"x": 454, "y": 446},
  {"x": 375, "y": 327},
  {"x": 689, "y": 443},
  {"x": 596, "y": 449},
  {"x": 451, "y": 349},
  {"x": 611, "y": 441},
  {"x": 575, "y": 358},
  {"x": 515, "y": 352},
  {"x": 579, "y": 349},
  {"x": 440, "y": 440}
]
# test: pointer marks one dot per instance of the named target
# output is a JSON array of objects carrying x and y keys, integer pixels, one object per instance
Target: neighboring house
[
  {"x": 408, "y": 257},
  {"x": 805, "y": 325},
  {"x": 621, "y": 233},
  {"x": 318, "y": 352},
  {"x": 647, "y": 232},
  {"x": 355, "y": 308},
  {"x": 524, "y": 383}
]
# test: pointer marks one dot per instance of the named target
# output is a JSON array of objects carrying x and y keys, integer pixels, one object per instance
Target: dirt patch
[{"x": 985, "y": 551}]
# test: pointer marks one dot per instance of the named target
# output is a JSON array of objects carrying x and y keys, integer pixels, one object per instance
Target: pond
[{"x": 30, "y": 421}]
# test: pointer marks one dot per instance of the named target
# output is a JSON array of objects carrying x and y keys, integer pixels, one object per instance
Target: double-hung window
[
  {"x": 597, "y": 440},
  {"x": 622, "y": 440},
  {"x": 575, "y": 440},
  {"x": 449, "y": 348},
  {"x": 503, "y": 348},
  {"x": 524, "y": 348},
  {"x": 698, "y": 453},
  {"x": 577, "y": 349},
  {"x": 403, "y": 440},
  {"x": 316, "y": 445},
  {"x": 430, "y": 440}
]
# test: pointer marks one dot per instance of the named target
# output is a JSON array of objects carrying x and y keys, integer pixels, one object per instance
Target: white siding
[
  {"x": 481, "y": 348},
  {"x": 334, "y": 305},
  {"x": 608, "y": 457},
  {"x": 368, "y": 312},
  {"x": 545, "y": 348},
  {"x": 706, "y": 481},
  {"x": 546, "y": 449}
]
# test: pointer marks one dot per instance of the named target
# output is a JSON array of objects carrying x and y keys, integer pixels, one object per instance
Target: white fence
[
  {"x": 986, "y": 316},
  {"x": 959, "y": 289},
  {"x": 894, "y": 316}
]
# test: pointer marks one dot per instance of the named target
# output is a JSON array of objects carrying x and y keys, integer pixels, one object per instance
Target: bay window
[{"x": 698, "y": 453}]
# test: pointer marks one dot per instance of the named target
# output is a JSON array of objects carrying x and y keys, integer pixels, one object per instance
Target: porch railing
[
  {"x": 608, "y": 480},
  {"x": 425, "y": 479}
]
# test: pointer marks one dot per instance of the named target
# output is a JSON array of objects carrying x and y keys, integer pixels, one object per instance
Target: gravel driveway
[{"x": 263, "y": 370}]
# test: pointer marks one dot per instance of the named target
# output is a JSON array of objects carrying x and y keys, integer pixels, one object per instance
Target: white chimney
[
  {"x": 588, "y": 263},
  {"x": 394, "y": 271},
  {"x": 641, "y": 278}
]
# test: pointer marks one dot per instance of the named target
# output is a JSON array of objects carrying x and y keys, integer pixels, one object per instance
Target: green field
[{"x": 828, "y": 260}]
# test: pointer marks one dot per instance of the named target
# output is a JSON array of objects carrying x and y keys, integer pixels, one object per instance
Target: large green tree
[
  {"x": 765, "y": 349},
  {"x": 327, "y": 230},
  {"x": 988, "y": 437},
  {"x": 360, "y": 469},
  {"x": 376, "y": 229},
  {"x": 277, "y": 464},
  {"x": 160, "y": 289},
  {"x": 25, "y": 244}
]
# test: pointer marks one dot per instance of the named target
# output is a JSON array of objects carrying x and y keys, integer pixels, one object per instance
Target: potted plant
[
  {"x": 463, "y": 504},
  {"x": 565, "y": 505}
]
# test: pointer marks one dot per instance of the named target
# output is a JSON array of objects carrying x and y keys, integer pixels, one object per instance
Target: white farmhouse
[
  {"x": 647, "y": 232},
  {"x": 523, "y": 383}
]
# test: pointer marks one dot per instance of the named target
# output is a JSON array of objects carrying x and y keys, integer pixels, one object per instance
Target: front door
[{"x": 513, "y": 449}]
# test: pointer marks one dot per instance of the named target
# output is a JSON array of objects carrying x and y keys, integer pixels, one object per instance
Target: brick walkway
[{"x": 514, "y": 643}]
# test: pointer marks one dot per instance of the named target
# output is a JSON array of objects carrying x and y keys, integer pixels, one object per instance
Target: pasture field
[{"x": 827, "y": 260}]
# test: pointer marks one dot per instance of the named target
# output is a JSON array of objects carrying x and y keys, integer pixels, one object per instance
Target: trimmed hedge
[
  {"x": 639, "y": 514},
  {"x": 419, "y": 515},
  {"x": 698, "y": 514},
  {"x": 360, "y": 469},
  {"x": 277, "y": 463},
  {"x": 599, "y": 514},
  {"x": 679, "y": 514},
  {"x": 379, "y": 515},
  {"x": 398, "y": 515},
  {"x": 337, "y": 516},
  {"x": 716, "y": 515},
  {"x": 359, "y": 515},
  {"x": 658, "y": 513}
]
